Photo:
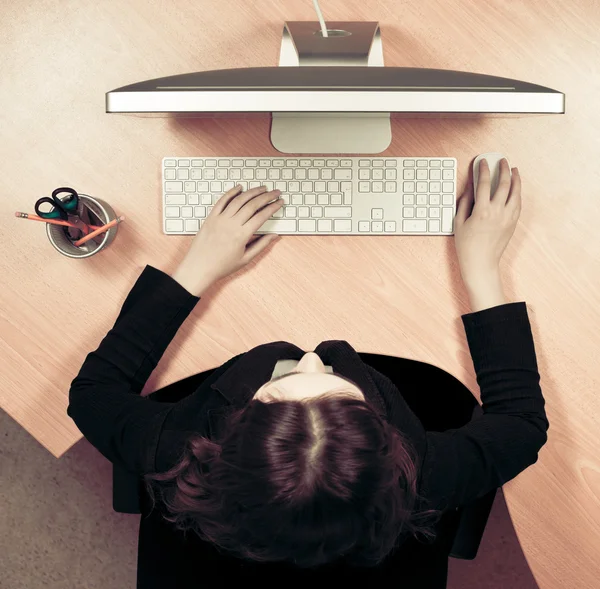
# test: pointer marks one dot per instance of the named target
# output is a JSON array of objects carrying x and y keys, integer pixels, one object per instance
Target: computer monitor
[{"x": 323, "y": 101}]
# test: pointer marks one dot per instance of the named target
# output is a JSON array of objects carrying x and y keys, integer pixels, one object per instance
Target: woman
[{"x": 280, "y": 458}]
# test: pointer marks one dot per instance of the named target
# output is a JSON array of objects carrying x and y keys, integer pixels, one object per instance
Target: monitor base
[{"x": 348, "y": 44}]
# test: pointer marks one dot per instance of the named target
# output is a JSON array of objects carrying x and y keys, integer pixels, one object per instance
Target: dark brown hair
[{"x": 303, "y": 482}]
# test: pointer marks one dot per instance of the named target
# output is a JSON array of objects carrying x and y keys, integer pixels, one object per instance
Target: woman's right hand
[{"x": 482, "y": 231}]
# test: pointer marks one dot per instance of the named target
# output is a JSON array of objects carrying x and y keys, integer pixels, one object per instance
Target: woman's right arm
[{"x": 463, "y": 464}]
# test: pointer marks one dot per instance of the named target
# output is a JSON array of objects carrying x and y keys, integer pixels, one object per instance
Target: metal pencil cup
[{"x": 104, "y": 212}]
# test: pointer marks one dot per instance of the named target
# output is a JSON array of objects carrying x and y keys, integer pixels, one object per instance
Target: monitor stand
[{"x": 348, "y": 44}]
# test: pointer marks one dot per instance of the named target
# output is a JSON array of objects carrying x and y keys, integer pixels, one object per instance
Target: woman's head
[{"x": 303, "y": 481}]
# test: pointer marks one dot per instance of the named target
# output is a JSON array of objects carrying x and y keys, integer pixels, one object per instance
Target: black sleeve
[
  {"x": 463, "y": 464},
  {"x": 104, "y": 398}
]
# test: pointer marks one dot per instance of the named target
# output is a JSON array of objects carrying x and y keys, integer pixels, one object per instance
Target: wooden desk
[{"x": 58, "y": 61}]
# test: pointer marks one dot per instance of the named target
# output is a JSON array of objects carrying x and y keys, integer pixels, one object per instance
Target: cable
[{"x": 320, "y": 17}]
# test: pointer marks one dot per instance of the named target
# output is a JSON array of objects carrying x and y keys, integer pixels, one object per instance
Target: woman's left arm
[{"x": 104, "y": 398}]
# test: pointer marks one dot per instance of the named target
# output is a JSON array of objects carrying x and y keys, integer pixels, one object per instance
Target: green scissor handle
[{"x": 62, "y": 207}]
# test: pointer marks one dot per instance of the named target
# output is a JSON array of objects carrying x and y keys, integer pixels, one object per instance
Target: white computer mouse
[{"x": 493, "y": 160}]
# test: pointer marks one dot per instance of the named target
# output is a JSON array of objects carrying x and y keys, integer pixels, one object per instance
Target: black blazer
[{"x": 455, "y": 467}]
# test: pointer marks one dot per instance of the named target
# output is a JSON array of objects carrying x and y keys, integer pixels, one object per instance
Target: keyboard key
[
  {"x": 222, "y": 174},
  {"x": 434, "y": 199},
  {"x": 264, "y": 163},
  {"x": 421, "y": 199},
  {"x": 192, "y": 199},
  {"x": 175, "y": 199},
  {"x": 319, "y": 163},
  {"x": 333, "y": 163},
  {"x": 448, "y": 199},
  {"x": 390, "y": 163},
  {"x": 320, "y": 186},
  {"x": 346, "y": 163},
  {"x": 206, "y": 199},
  {"x": 170, "y": 163},
  {"x": 307, "y": 225},
  {"x": 211, "y": 163},
  {"x": 448, "y": 174},
  {"x": 363, "y": 163},
  {"x": 390, "y": 187},
  {"x": 390, "y": 226},
  {"x": 364, "y": 174},
  {"x": 259, "y": 174},
  {"x": 421, "y": 174},
  {"x": 362, "y": 187},
  {"x": 316, "y": 211},
  {"x": 376, "y": 186},
  {"x": 414, "y": 226},
  {"x": 216, "y": 186},
  {"x": 199, "y": 212},
  {"x": 408, "y": 212},
  {"x": 279, "y": 225},
  {"x": 174, "y": 186},
  {"x": 435, "y": 163},
  {"x": 435, "y": 174},
  {"x": 390, "y": 174},
  {"x": 377, "y": 175},
  {"x": 296, "y": 199},
  {"x": 408, "y": 174},
  {"x": 434, "y": 212},
  {"x": 333, "y": 186},
  {"x": 290, "y": 211},
  {"x": 336, "y": 199},
  {"x": 324, "y": 225},
  {"x": 183, "y": 174},
  {"x": 421, "y": 212},
  {"x": 307, "y": 186},
  {"x": 346, "y": 188},
  {"x": 170, "y": 174},
  {"x": 343, "y": 174},
  {"x": 224, "y": 163},
  {"x": 434, "y": 226},
  {"x": 447, "y": 214},
  {"x": 251, "y": 163},
  {"x": 378, "y": 163},
  {"x": 376, "y": 213},
  {"x": 196, "y": 174},
  {"x": 310, "y": 199},
  {"x": 435, "y": 187},
  {"x": 448, "y": 186},
  {"x": 303, "y": 212},
  {"x": 448, "y": 164},
  {"x": 422, "y": 186},
  {"x": 185, "y": 163},
  {"x": 186, "y": 212},
  {"x": 287, "y": 174},
  {"x": 342, "y": 225},
  {"x": 323, "y": 199},
  {"x": 421, "y": 163},
  {"x": 364, "y": 226},
  {"x": 209, "y": 174},
  {"x": 171, "y": 212},
  {"x": 192, "y": 225},
  {"x": 173, "y": 225},
  {"x": 409, "y": 163},
  {"x": 189, "y": 186},
  {"x": 300, "y": 173},
  {"x": 376, "y": 226},
  {"x": 409, "y": 199},
  {"x": 305, "y": 163},
  {"x": 274, "y": 173},
  {"x": 291, "y": 163},
  {"x": 408, "y": 187},
  {"x": 331, "y": 212},
  {"x": 235, "y": 163}
]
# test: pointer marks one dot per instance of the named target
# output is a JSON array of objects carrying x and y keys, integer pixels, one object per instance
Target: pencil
[
  {"x": 51, "y": 221},
  {"x": 98, "y": 231}
]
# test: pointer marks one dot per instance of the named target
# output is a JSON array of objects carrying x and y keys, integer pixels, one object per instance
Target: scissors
[{"x": 62, "y": 208}]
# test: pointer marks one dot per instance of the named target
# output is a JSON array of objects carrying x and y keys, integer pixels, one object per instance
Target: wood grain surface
[{"x": 400, "y": 296}]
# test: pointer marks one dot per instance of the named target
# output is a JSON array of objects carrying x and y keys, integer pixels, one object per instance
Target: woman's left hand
[{"x": 222, "y": 246}]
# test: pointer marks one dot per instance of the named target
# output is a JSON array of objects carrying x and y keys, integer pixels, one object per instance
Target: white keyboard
[{"x": 352, "y": 196}]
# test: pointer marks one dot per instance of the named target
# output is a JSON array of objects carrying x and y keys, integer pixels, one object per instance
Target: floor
[{"x": 64, "y": 534}]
